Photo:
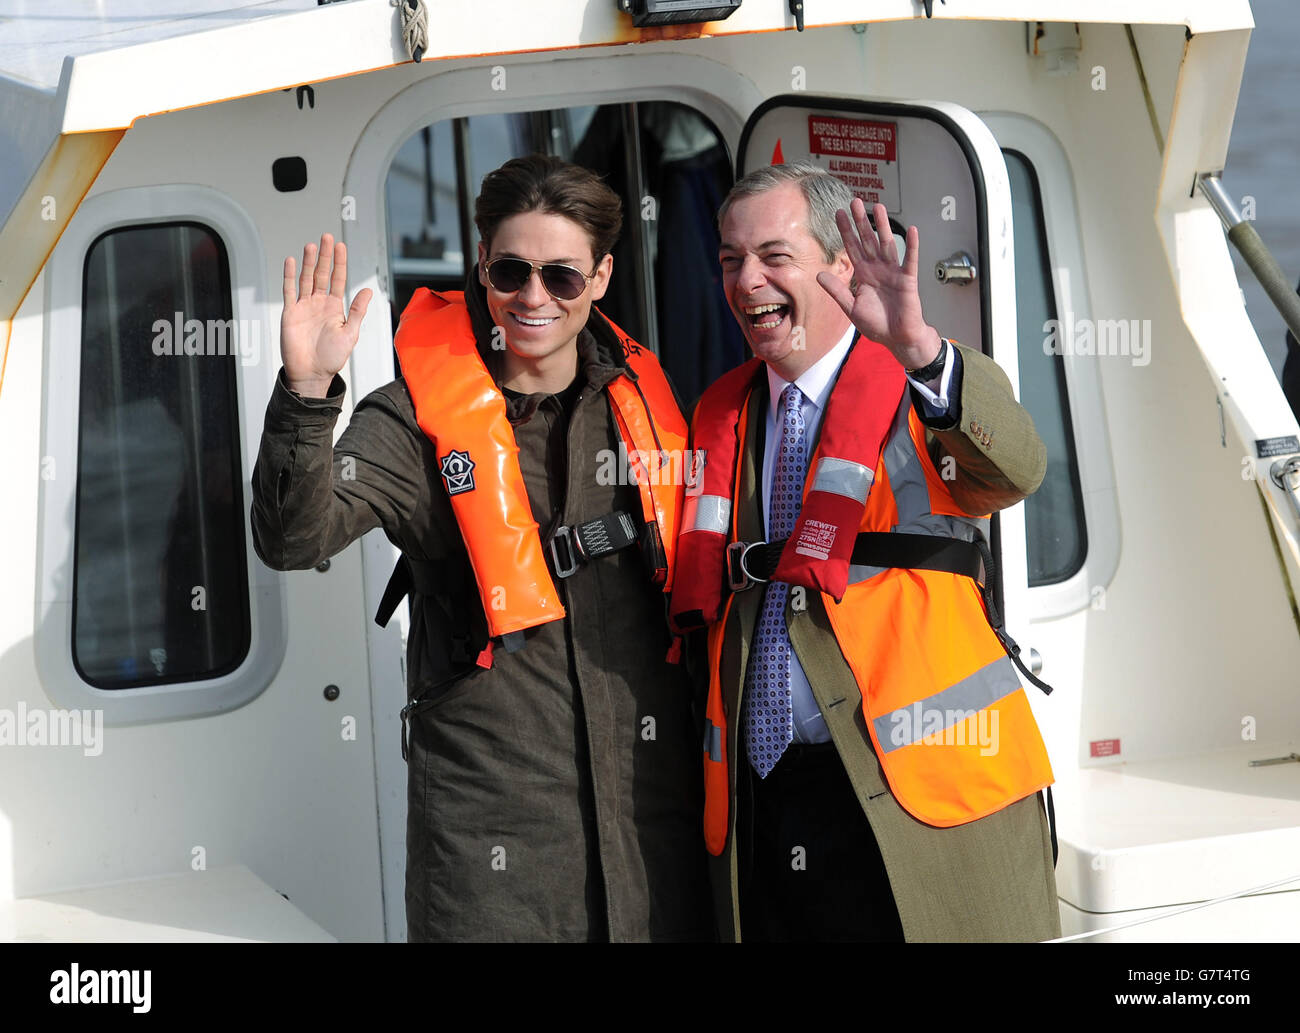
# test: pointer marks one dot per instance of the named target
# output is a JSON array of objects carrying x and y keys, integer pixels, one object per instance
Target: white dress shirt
[{"x": 815, "y": 382}]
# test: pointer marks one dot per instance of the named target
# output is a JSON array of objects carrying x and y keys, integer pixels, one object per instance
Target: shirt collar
[
  {"x": 815, "y": 382},
  {"x": 596, "y": 364}
]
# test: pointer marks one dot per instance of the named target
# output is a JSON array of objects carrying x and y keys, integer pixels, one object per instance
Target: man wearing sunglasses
[
  {"x": 542, "y": 314},
  {"x": 553, "y": 759},
  {"x": 872, "y": 767}
]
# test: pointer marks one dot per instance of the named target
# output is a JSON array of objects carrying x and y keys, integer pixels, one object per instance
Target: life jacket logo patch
[
  {"x": 816, "y": 539},
  {"x": 458, "y": 472}
]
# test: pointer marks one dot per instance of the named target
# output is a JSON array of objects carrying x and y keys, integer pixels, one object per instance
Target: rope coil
[{"x": 415, "y": 26}]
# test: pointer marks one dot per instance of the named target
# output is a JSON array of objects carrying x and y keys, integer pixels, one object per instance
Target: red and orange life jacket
[
  {"x": 934, "y": 677},
  {"x": 462, "y": 411}
]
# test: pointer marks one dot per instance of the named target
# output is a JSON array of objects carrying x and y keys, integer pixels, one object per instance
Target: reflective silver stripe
[
  {"x": 858, "y": 574},
  {"x": 713, "y": 742},
  {"x": 706, "y": 513},
  {"x": 942, "y": 524},
  {"x": 958, "y": 702},
  {"x": 912, "y": 496},
  {"x": 906, "y": 475},
  {"x": 844, "y": 477},
  {"x": 906, "y": 481}
]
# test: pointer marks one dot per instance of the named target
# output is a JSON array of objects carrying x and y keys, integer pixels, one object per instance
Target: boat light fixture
[{"x": 676, "y": 12}]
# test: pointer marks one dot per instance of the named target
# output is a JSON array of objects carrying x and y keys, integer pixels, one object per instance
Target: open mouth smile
[
  {"x": 526, "y": 321},
  {"x": 766, "y": 317}
]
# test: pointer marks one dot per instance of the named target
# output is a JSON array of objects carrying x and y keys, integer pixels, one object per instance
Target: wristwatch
[{"x": 935, "y": 367}]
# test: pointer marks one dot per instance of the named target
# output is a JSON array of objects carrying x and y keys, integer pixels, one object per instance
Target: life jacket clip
[
  {"x": 577, "y": 545},
  {"x": 739, "y": 576},
  {"x": 566, "y": 542}
]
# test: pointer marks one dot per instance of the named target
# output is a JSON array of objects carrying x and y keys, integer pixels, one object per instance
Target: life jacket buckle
[
  {"x": 574, "y": 556},
  {"x": 739, "y": 576}
]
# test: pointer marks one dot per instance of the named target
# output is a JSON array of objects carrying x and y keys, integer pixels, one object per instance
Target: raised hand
[
  {"x": 885, "y": 304},
  {"x": 315, "y": 340}
]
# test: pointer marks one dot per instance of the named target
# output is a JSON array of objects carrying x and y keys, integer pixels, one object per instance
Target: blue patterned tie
[{"x": 769, "y": 719}]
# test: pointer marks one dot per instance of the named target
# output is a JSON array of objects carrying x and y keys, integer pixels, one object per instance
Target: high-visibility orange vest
[
  {"x": 462, "y": 411},
  {"x": 947, "y": 715}
]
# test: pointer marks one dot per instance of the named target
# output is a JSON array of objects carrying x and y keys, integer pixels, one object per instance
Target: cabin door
[{"x": 938, "y": 167}]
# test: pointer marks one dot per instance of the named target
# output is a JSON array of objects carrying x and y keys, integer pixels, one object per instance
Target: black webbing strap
[
  {"x": 1051, "y": 823},
  {"x": 919, "y": 551},
  {"x": 992, "y": 590},
  {"x": 575, "y": 546},
  {"x": 879, "y": 549},
  {"x": 747, "y": 564},
  {"x": 399, "y": 586},
  {"x": 423, "y": 577}
]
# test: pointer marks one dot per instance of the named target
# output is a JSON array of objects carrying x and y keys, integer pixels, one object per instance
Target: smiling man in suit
[{"x": 871, "y": 762}]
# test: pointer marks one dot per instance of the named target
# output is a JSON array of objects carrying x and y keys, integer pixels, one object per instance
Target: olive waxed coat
[
  {"x": 557, "y": 795},
  {"x": 991, "y": 879}
]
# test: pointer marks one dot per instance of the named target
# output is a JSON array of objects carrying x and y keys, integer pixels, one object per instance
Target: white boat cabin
[{"x": 243, "y": 746}]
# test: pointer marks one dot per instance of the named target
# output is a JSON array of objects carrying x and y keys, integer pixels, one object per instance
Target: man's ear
[
  {"x": 843, "y": 266},
  {"x": 482, "y": 260},
  {"x": 600, "y": 282}
]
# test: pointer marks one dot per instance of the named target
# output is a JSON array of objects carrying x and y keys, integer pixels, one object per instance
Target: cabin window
[
  {"x": 160, "y": 590},
  {"x": 665, "y": 160},
  {"x": 1054, "y": 521}
]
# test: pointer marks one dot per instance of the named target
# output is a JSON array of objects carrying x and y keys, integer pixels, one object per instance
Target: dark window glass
[
  {"x": 1054, "y": 524},
  {"x": 667, "y": 163},
  {"x": 161, "y": 591},
  {"x": 424, "y": 215}
]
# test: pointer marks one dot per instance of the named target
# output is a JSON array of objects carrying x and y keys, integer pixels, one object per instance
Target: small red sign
[
  {"x": 853, "y": 137},
  {"x": 1104, "y": 747}
]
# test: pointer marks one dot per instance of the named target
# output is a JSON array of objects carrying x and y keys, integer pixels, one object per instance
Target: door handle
[{"x": 958, "y": 268}]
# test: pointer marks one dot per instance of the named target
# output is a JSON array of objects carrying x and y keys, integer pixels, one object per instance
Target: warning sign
[{"x": 862, "y": 153}]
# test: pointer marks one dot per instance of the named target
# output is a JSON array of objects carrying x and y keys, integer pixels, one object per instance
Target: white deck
[
  {"x": 226, "y": 905},
  {"x": 1179, "y": 830},
  {"x": 1137, "y": 837}
]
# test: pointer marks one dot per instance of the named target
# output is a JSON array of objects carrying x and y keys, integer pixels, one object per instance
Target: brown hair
[{"x": 552, "y": 186}]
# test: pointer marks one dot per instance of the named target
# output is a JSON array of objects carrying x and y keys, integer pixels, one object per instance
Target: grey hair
[{"x": 824, "y": 193}]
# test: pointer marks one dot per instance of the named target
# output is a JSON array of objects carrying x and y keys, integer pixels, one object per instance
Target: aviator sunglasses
[{"x": 562, "y": 282}]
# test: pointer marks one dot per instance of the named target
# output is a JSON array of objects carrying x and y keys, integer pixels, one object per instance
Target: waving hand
[
  {"x": 315, "y": 339},
  {"x": 884, "y": 303}
]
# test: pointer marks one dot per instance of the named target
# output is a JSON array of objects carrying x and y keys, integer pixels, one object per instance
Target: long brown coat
[
  {"x": 557, "y": 795},
  {"x": 991, "y": 879}
]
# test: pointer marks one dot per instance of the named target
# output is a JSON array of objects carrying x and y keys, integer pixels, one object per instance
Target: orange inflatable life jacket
[
  {"x": 462, "y": 411},
  {"x": 948, "y": 718}
]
